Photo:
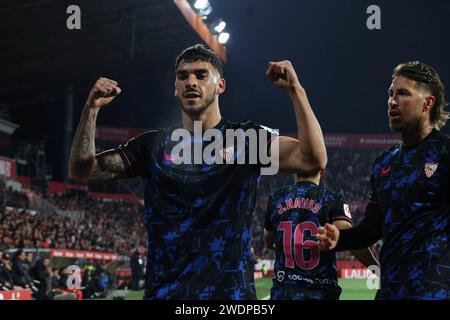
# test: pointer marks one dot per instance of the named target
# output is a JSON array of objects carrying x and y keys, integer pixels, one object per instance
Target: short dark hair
[
  {"x": 199, "y": 52},
  {"x": 429, "y": 79}
]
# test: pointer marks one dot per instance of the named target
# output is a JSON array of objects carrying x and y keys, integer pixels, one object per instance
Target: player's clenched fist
[
  {"x": 103, "y": 92},
  {"x": 283, "y": 75},
  {"x": 327, "y": 237}
]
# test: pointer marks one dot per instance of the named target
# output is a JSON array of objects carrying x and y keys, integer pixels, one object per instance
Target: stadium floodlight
[
  {"x": 201, "y": 4},
  {"x": 203, "y": 7},
  {"x": 220, "y": 26},
  {"x": 223, "y": 37}
]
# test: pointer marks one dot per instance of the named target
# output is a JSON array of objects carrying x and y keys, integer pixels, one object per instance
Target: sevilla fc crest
[{"x": 430, "y": 169}]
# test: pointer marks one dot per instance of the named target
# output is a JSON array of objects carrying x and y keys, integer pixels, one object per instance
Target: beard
[
  {"x": 194, "y": 110},
  {"x": 405, "y": 124},
  {"x": 396, "y": 126}
]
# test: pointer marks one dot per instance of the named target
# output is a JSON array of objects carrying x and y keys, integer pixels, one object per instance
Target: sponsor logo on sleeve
[{"x": 347, "y": 211}]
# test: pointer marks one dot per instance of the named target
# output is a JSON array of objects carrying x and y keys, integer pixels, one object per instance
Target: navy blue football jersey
[
  {"x": 294, "y": 215},
  {"x": 197, "y": 216},
  {"x": 411, "y": 193}
]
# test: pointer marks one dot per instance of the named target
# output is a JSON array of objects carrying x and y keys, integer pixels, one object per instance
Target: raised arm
[
  {"x": 84, "y": 165},
  {"x": 307, "y": 153}
]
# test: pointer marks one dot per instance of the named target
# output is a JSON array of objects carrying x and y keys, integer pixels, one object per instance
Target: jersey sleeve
[
  {"x": 265, "y": 137},
  {"x": 136, "y": 153},
  {"x": 271, "y": 135},
  {"x": 340, "y": 210},
  {"x": 368, "y": 231},
  {"x": 365, "y": 234}
]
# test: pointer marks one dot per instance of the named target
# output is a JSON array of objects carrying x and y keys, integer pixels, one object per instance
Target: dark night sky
[{"x": 345, "y": 68}]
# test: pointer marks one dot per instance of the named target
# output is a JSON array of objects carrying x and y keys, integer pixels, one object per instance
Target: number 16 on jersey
[{"x": 295, "y": 251}]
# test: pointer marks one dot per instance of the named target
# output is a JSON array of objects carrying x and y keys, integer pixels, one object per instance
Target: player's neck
[
  {"x": 315, "y": 180},
  {"x": 416, "y": 134},
  {"x": 210, "y": 118}
]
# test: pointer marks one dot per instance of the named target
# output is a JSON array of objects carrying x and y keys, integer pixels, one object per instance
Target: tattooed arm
[{"x": 84, "y": 165}]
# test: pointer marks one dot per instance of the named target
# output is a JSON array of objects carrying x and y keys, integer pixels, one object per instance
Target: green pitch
[
  {"x": 351, "y": 290},
  {"x": 356, "y": 290}
]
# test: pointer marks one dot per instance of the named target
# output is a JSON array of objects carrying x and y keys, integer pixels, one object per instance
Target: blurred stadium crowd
[
  {"x": 106, "y": 226},
  {"x": 118, "y": 227},
  {"x": 22, "y": 270}
]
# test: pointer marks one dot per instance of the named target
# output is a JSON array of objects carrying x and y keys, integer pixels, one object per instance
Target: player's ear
[
  {"x": 175, "y": 93},
  {"x": 221, "y": 86},
  {"x": 429, "y": 103}
]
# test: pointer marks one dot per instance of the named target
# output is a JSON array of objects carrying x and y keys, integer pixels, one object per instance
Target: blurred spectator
[
  {"x": 55, "y": 278},
  {"x": 59, "y": 285},
  {"x": 88, "y": 283},
  {"x": 42, "y": 273},
  {"x": 137, "y": 269},
  {"x": 101, "y": 279},
  {"x": 7, "y": 274},
  {"x": 28, "y": 262},
  {"x": 21, "y": 275},
  {"x": 20, "y": 271}
]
